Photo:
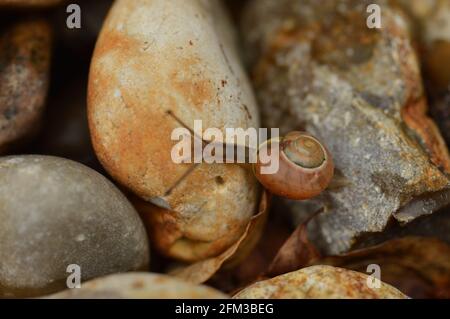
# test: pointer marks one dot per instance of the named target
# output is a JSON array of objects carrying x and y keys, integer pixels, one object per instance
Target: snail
[
  {"x": 305, "y": 170},
  {"x": 305, "y": 166}
]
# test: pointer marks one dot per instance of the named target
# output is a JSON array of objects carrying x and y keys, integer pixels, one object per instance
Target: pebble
[
  {"x": 320, "y": 282},
  {"x": 154, "y": 62},
  {"x": 56, "y": 213},
  {"x": 139, "y": 286}
]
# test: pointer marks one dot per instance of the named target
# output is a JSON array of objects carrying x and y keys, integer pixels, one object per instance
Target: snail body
[{"x": 305, "y": 170}]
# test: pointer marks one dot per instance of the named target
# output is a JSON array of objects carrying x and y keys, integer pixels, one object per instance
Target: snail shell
[{"x": 306, "y": 167}]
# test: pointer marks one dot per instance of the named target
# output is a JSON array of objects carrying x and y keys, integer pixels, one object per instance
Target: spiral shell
[{"x": 305, "y": 170}]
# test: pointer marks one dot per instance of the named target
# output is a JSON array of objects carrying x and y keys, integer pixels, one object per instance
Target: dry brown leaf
[
  {"x": 418, "y": 266},
  {"x": 202, "y": 271},
  {"x": 251, "y": 268},
  {"x": 296, "y": 252}
]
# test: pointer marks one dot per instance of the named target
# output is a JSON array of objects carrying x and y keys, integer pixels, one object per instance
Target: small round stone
[
  {"x": 320, "y": 282},
  {"x": 139, "y": 286},
  {"x": 55, "y": 213}
]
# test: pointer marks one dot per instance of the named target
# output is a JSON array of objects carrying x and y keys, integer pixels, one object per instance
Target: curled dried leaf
[
  {"x": 296, "y": 252},
  {"x": 202, "y": 271},
  {"x": 254, "y": 266}
]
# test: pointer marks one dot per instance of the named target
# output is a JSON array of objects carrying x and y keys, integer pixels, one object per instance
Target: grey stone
[{"x": 55, "y": 212}]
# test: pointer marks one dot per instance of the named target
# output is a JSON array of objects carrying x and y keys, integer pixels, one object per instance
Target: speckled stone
[
  {"x": 317, "y": 67},
  {"x": 139, "y": 286},
  {"x": 319, "y": 282},
  {"x": 25, "y": 49},
  {"x": 55, "y": 212},
  {"x": 154, "y": 59}
]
